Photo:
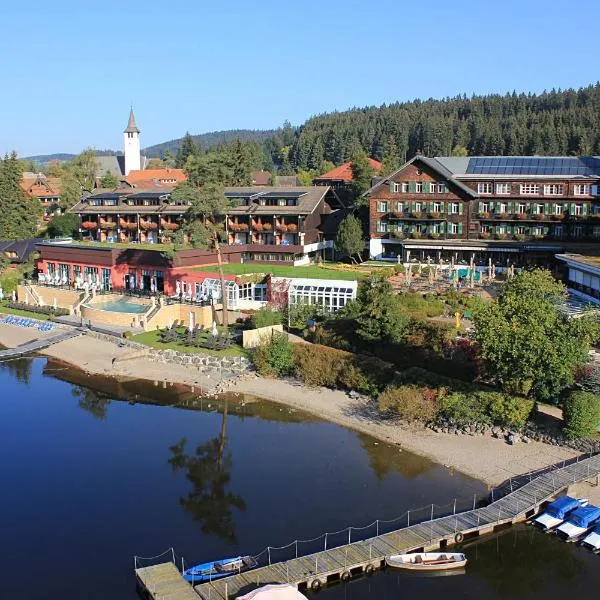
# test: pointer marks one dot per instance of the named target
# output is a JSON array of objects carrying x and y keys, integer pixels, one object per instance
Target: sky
[{"x": 71, "y": 69}]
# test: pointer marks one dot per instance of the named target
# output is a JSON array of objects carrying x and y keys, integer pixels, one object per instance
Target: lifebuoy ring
[
  {"x": 315, "y": 586},
  {"x": 345, "y": 576},
  {"x": 459, "y": 537},
  {"x": 369, "y": 569}
]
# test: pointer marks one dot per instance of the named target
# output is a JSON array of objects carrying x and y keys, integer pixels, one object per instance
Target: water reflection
[
  {"x": 20, "y": 368},
  {"x": 95, "y": 403},
  {"x": 521, "y": 561},
  {"x": 208, "y": 469}
]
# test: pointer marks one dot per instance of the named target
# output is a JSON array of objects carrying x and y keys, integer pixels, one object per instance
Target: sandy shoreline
[{"x": 484, "y": 458}]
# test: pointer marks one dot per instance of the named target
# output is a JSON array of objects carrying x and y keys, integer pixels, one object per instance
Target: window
[
  {"x": 529, "y": 189},
  {"x": 453, "y": 208},
  {"x": 520, "y": 230},
  {"x": 437, "y": 207},
  {"x": 553, "y": 189},
  {"x": 485, "y": 207},
  {"x": 404, "y": 188},
  {"x": 95, "y": 202},
  {"x": 382, "y": 206},
  {"x": 578, "y": 230},
  {"x": 110, "y": 202},
  {"x": 521, "y": 208},
  {"x": 484, "y": 188},
  {"x": 578, "y": 210},
  {"x": 281, "y": 202},
  {"x": 538, "y": 230},
  {"x": 503, "y": 188},
  {"x": 435, "y": 228},
  {"x": 559, "y": 230},
  {"x": 419, "y": 187},
  {"x": 501, "y": 208},
  {"x": 596, "y": 231},
  {"x": 417, "y": 207},
  {"x": 442, "y": 188},
  {"x": 558, "y": 209},
  {"x": 485, "y": 228},
  {"x": 453, "y": 228},
  {"x": 396, "y": 187},
  {"x": 401, "y": 207},
  {"x": 382, "y": 227},
  {"x": 583, "y": 189},
  {"x": 537, "y": 209}
]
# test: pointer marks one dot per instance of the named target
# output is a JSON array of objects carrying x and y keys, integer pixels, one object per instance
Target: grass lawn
[
  {"x": 309, "y": 272},
  {"x": 152, "y": 339},
  {"x": 24, "y": 313}
]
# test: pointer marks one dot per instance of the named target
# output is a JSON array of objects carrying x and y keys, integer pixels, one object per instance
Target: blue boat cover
[
  {"x": 560, "y": 507},
  {"x": 585, "y": 516}
]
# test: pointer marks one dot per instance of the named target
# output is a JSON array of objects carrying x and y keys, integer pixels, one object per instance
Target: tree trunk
[{"x": 222, "y": 280}]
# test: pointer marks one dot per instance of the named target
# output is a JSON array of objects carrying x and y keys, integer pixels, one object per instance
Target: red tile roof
[
  {"x": 344, "y": 172},
  {"x": 260, "y": 177},
  {"x": 161, "y": 176}
]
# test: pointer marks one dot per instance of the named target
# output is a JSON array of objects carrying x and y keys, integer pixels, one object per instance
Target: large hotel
[{"x": 520, "y": 209}]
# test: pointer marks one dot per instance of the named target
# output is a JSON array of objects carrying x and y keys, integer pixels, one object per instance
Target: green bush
[
  {"x": 463, "y": 409},
  {"x": 275, "y": 357},
  {"x": 410, "y": 402},
  {"x": 42, "y": 310},
  {"x": 265, "y": 317},
  {"x": 581, "y": 412},
  {"x": 420, "y": 306},
  {"x": 322, "y": 366},
  {"x": 506, "y": 410}
]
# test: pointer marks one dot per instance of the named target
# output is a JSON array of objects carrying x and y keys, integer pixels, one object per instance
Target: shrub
[
  {"x": 410, "y": 402},
  {"x": 581, "y": 412},
  {"x": 463, "y": 409},
  {"x": 275, "y": 357},
  {"x": 322, "y": 366},
  {"x": 506, "y": 410},
  {"x": 264, "y": 317},
  {"x": 42, "y": 310},
  {"x": 418, "y": 305}
]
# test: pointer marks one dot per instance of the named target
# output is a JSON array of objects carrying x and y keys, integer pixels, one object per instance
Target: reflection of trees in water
[
  {"x": 522, "y": 561},
  {"x": 208, "y": 469},
  {"x": 96, "y": 403},
  {"x": 385, "y": 458},
  {"x": 19, "y": 368}
]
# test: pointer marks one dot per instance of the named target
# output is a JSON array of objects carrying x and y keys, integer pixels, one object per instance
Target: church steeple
[
  {"x": 131, "y": 142},
  {"x": 131, "y": 126}
]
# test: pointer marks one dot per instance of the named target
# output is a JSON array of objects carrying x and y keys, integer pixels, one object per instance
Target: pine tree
[
  {"x": 390, "y": 161},
  {"x": 188, "y": 148},
  {"x": 19, "y": 214},
  {"x": 362, "y": 172},
  {"x": 241, "y": 167}
]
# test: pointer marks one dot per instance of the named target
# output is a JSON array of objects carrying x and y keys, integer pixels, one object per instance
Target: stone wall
[
  {"x": 106, "y": 317},
  {"x": 203, "y": 316}
]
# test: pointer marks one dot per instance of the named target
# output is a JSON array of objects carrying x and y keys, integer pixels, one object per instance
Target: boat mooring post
[
  {"x": 431, "y": 513},
  {"x": 325, "y": 548},
  {"x": 474, "y": 500},
  {"x": 454, "y": 509},
  {"x": 269, "y": 554},
  {"x": 296, "y": 548},
  {"x": 226, "y": 594}
]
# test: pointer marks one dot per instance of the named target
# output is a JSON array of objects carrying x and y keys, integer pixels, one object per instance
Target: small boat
[
  {"x": 218, "y": 569},
  {"x": 427, "y": 561},
  {"x": 578, "y": 522},
  {"x": 592, "y": 539},
  {"x": 556, "y": 512}
]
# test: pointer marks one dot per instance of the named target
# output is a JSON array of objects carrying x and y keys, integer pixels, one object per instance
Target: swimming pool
[{"x": 119, "y": 305}]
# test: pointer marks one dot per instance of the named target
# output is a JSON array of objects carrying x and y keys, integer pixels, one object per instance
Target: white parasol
[
  {"x": 274, "y": 592},
  {"x": 215, "y": 331}
]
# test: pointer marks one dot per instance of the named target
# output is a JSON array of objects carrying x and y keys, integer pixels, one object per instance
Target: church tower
[{"x": 131, "y": 137}]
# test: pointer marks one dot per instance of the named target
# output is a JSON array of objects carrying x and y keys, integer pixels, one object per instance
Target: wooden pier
[
  {"x": 37, "y": 345},
  {"x": 316, "y": 570}
]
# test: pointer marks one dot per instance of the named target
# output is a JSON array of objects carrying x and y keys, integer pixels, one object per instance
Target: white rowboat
[{"x": 427, "y": 561}]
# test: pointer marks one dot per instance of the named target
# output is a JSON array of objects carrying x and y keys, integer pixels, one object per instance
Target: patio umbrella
[
  {"x": 14, "y": 296},
  {"x": 177, "y": 288},
  {"x": 215, "y": 331},
  {"x": 1, "y": 294}
]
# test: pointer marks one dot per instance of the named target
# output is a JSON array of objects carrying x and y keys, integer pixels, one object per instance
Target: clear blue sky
[{"x": 70, "y": 69}]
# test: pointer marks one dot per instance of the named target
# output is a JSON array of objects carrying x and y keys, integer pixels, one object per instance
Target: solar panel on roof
[{"x": 284, "y": 194}]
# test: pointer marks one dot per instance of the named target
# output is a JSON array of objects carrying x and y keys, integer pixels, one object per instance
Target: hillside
[
  {"x": 551, "y": 123},
  {"x": 209, "y": 140}
]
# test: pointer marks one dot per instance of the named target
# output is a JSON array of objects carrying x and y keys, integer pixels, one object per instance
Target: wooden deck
[
  {"x": 316, "y": 570},
  {"x": 37, "y": 345},
  {"x": 164, "y": 582}
]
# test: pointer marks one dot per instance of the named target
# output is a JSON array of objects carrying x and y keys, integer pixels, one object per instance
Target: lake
[{"x": 96, "y": 471}]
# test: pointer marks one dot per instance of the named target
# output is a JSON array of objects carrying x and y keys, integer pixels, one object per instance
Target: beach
[{"x": 482, "y": 457}]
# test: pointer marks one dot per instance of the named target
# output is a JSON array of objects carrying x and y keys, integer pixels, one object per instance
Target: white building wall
[{"x": 131, "y": 148}]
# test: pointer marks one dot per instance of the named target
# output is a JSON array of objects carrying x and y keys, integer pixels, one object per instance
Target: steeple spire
[{"x": 131, "y": 126}]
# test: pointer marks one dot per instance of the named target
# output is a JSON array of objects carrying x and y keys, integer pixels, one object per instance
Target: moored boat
[
  {"x": 556, "y": 512},
  {"x": 218, "y": 569},
  {"x": 427, "y": 561},
  {"x": 578, "y": 522},
  {"x": 592, "y": 539}
]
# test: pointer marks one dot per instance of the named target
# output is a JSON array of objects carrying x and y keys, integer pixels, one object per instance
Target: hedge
[
  {"x": 581, "y": 411},
  {"x": 42, "y": 310}
]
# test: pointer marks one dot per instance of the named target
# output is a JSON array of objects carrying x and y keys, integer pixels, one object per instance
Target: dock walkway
[
  {"x": 343, "y": 562},
  {"x": 37, "y": 345}
]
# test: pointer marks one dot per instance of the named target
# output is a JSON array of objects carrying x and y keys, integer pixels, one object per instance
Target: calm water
[
  {"x": 89, "y": 481},
  {"x": 120, "y": 306}
]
